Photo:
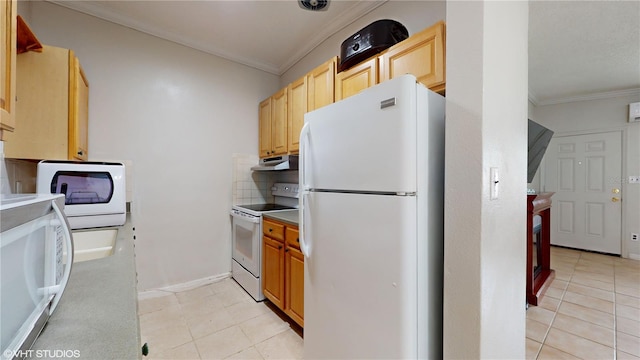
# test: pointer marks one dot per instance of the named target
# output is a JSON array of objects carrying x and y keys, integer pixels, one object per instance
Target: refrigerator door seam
[{"x": 384, "y": 193}]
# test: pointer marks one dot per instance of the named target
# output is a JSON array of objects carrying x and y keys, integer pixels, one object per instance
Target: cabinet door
[
  {"x": 279, "y": 122},
  {"x": 8, "y": 14},
  {"x": 321, "y": 85},
  {"x": 294, "y": 279},
  {"x": 273, "y": 271},
  {"x": 42, "y": 108},
  {"x": 356, "y": 79},
  {"x": 296, "y": 108},
  {"x": 264, "y": 128},
  {"x": 422, "y": 55},
  {"x": 78, "y": 110}
]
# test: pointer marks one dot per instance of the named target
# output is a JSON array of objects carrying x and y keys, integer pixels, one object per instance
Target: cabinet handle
[
  {"x": 270, "y": 229},
  {"x": 297, "y": 239},
  {"x": 80, "y": 152},
  {"x": 286, "y": 250},
  {"x": 279, "y": 247}
]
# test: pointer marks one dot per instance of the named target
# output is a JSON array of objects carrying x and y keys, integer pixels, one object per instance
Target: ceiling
[{"x": 577, "y": 49}]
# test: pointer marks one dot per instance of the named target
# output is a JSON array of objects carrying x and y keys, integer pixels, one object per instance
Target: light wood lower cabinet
[
  {"x": 52, "y": 108},
  {"x": 283, "y": 268}
]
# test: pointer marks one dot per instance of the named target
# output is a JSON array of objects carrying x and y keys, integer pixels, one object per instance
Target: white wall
[
  {"x": 178, "y": 115},
  {"x": 485, "y": 253},
  {"x": 598, "y": 116},
  {"x": 414, "y": 15}
]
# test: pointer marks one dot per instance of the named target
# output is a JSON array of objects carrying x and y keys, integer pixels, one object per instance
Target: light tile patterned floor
[
  {"x": 216, "y": 321},
  {"x": 591, "y": 310}
]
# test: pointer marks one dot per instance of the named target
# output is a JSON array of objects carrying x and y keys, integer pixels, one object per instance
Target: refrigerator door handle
[{"x": 304, "y": 189}]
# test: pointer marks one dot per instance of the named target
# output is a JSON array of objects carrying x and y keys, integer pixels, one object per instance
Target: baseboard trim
[{"x": 151, "y": 293}]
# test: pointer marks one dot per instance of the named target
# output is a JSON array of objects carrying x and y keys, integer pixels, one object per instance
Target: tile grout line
[{"x": 555, "y": 313}]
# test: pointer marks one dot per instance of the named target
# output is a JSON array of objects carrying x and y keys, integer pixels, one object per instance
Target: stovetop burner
[{"x": 265, "y": 207}]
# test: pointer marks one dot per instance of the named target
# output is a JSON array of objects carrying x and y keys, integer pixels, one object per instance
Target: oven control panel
[{"x": 285, "y": 190}]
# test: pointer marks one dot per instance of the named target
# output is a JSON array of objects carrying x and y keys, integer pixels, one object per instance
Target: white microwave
[
  {"x": 95, "y": 192},
  {"x": 33, "y": 265}
]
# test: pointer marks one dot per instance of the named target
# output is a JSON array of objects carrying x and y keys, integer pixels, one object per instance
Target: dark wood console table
[{"x": 539, "y": 272}]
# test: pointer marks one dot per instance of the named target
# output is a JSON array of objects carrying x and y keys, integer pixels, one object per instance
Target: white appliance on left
[
  {"x": 95, "y": 192},
  {"x": 246, "y": 236},
  {"x": 33, "y": 267}
]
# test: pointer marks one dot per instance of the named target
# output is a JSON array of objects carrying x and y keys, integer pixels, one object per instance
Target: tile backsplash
[
  {"x": 17, "y": 176},
  {"x": 254, "y": 187},
  {"x": 250, "y": 187}
]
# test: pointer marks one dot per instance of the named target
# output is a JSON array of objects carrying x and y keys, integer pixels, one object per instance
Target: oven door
[{"x": 246, "y": 233}]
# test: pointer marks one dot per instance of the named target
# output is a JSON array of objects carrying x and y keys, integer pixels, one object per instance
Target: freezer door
[
  {"x": 360, "y": 284},
  {"x": 366, "y": 142}
]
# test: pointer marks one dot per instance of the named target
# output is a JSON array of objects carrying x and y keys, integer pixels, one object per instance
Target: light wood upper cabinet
[
  {"x": 422, "y": 54},
  {"x": 8, "y": 14},
  {"x": 355, "y": 79},
  {"x": 310, "y": 92},
  {"x": 51, "y": 109},
  {"x": 273, "y": 125},
  {"x": 321, "y": 85},
  {"x": 78, "y": 111},
  {"x": 264, "y": 128},
  {"x": 296, "y": 108},
  {"x": 279, "y": 122}
]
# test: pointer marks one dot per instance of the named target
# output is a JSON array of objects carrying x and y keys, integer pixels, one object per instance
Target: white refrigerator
[{"x": 371, "y": 224}]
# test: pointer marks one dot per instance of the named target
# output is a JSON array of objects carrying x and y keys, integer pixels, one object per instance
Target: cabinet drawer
[
  {"x": 273, "y": 230},
  {"x": 292, "y": 237}
]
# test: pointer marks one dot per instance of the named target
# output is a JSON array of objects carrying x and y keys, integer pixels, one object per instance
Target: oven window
[{"x": 83, "y": 187}]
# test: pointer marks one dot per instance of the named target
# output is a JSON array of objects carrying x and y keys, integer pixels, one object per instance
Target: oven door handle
[{"x": 248, "y": 218}]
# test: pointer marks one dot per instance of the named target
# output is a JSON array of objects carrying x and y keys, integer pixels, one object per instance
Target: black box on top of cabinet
[{"x": 370, "y": 40}]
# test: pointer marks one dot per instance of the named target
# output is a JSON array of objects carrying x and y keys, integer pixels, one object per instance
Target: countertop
[
  {"x": 288, "y": 216},
  {"x": 97, "y": 316}
]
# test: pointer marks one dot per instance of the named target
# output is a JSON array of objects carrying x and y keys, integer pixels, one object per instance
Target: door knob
[
  {"x": 615, "y": 191},
  {"x": 615, "y": 199}
]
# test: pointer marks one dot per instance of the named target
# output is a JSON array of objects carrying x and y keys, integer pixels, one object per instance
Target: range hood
[{"x": 283, "y": 162}]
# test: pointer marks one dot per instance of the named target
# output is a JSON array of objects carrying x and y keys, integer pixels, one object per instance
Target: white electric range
[{"x": 246, "y": 236}]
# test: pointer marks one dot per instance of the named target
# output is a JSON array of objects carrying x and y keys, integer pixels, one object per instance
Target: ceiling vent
[{"x": 314, "y": 5}]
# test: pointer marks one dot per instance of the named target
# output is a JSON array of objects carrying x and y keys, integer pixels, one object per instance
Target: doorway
[{"x": 585, "y": 172}]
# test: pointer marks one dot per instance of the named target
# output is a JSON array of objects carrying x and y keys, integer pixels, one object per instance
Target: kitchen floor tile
[
  {"x": 598, "y": 312},
  {"x": 550, "y": 353},
  {"x": 584, "y": 329},
  {"x": 533, "y": 348},
  {"x": 577, "y": 345},
  {"x": 575, "y": 318},
  {"x": 628, "y": 343},
  {"x": 286, "y": 345},
  {"x": 186, "y": 352},
  {"x": 223, "y": 343}
]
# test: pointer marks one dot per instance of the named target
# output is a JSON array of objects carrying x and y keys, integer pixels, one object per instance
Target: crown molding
[
  {"x": 91, "y": 9},
  {"x": 587, "y": 97},
  {"x": 345, "y": 18}
]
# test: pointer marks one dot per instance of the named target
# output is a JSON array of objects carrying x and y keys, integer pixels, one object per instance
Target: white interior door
[{"x": 585, "y": 172}]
